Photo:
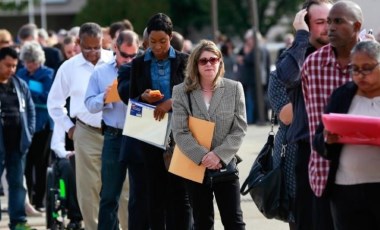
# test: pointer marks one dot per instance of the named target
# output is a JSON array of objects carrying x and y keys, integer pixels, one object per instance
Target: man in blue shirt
[{"x": 113, "y": 173}]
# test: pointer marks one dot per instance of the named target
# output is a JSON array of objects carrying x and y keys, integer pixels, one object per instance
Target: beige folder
[
  {"x": 183, "y": 166},
  {"x": 113, "y": 95}
]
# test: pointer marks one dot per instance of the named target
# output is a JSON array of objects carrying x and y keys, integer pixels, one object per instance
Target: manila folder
[
  {"x": 183, "y": 166},
  {"x": 113, "y": 95}
]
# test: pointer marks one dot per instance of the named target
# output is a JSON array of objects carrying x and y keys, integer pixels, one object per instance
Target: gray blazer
[{"x": 227, "y": 110}]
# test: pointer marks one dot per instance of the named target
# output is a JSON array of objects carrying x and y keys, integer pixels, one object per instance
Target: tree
[{"x": 234, "y": 16}]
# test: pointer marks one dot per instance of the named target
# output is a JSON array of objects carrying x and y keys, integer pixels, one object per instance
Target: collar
[
  {"x": 82, "y": 61},
  {"x": 330, "y": 55},
  {"x": 149, "y": 55}
]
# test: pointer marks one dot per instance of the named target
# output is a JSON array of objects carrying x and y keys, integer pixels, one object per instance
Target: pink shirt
[{"x": 321, "y": 74}]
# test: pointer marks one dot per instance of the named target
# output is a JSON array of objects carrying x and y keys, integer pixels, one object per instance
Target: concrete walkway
[{"x": 253, "y": 142}]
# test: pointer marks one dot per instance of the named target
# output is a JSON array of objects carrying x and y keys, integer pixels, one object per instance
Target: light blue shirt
[
  {"x": 160, "y": 73},
  {"x": 113, "y": 113}
]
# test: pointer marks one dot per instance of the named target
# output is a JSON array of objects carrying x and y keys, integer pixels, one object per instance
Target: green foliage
[
  {"x": 233, "y": 15},
  {"x": 11, "y": 6},
  {"x": 106, "y": 12}
]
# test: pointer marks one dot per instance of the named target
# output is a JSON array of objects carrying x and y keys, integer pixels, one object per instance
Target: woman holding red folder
[
  {"x": 355, "y": 189},
  {"x": 206, "y": 95}
]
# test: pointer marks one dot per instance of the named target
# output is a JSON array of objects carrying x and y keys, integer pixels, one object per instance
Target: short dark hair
[
  {"x": 177, "y": 41},
  {"x": 120, "y": 25},
  {"x": 160, "y": 22},
  {"x": 308, "y": 3},
  {"x": 91, "y": 29},
  {"x": 8, "y": 51},
  {"x": 27, "y": 31}
]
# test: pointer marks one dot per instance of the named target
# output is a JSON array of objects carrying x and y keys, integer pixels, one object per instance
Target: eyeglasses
[
  {"x": 364, "y": 70},
  {"x": 212, "y": 60}
]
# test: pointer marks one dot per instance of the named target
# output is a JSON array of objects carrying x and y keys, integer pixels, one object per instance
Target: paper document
[
  {"x": 183, "y": 166},
  {"x": 36, "y": 86},
  {"x": 113, "y": 95},
  {"x": 141, "y": 124},
  {"x": 353, "y": 129}
]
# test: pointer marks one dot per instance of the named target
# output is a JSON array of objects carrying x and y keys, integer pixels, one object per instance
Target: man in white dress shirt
[{"x": 71, "y": 81}]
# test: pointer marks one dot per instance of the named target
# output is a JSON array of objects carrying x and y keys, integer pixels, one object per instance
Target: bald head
[{"x": 351, "y": 9}]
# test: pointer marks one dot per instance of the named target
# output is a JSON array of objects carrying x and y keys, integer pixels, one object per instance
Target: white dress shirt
[
  {"x": 58, "y": 143},
  {"x": 71, "y": 81}
]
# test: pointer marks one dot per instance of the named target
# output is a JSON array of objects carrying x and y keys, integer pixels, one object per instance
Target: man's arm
[
  {"x": 289, "y": 64},
  {"x": 94, "y": 98},
  {"x": 58, "y": 94},
  {"x": 123, "y": 79}
]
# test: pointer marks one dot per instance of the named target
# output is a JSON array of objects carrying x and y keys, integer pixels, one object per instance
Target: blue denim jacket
[
  {"x": 288, "y": 71},
  {"x": 27, "y": 116}
]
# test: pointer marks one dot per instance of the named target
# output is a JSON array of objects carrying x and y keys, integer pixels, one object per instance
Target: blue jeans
[
  {"x": 130, "y": 155},
  {"x": 113, "y": 176},
  {"x": 14, "y": 163}
]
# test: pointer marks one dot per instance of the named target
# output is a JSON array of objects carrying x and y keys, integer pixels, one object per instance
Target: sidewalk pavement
[{"x": 253, "y": 142}]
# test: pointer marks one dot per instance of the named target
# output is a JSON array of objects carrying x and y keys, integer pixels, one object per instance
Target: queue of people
[{"x": 122, "y": 183}]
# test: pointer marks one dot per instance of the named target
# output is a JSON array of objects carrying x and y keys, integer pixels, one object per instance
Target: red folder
[{"x": 353, "y": 129}]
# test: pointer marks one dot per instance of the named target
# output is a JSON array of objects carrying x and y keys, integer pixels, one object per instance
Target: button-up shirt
[
  {"x": 71, "y": 81},
  {"x": 160, "y": 73},
  {"x": 321, "y": 74},
  {"x": 113, "y": 113}
]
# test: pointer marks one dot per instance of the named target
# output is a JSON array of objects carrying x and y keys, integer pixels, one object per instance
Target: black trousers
[
  {"x": 311, "y": 212},
  {"x": 36, "y": 165},
  {"x": 168, "y": 200},
  {"x": 356, "y": 206},
  {"x": 227, "y": 195}
]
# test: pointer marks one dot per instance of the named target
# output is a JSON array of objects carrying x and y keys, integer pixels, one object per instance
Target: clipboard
[
  {"x": 141, "y": 124},
  {"x": 183, "y": 166},
  {"x": 353, "y": 129},
  {"x": 113, "y": 95}
]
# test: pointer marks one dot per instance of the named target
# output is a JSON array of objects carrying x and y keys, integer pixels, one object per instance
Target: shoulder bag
[{"x": 265, "y": 183}]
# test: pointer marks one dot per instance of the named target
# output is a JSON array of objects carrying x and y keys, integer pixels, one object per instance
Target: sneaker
[
  {"x": 74, "y": 225},
  {"x": 23, "y": 226}
]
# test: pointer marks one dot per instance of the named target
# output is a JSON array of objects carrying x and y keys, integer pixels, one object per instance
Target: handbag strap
[{"x": 190, "y": 105}]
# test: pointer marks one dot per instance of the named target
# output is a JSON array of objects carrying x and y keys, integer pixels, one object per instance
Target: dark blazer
[
  {"x": 141, "y": 77},
  {"x": 227, "y": 110},
  {"x": 53, "y": 57},
  {"x": 27, "y": 116}
]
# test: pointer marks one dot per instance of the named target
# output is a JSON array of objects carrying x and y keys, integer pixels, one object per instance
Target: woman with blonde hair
[{"x": 206, "y": 95}]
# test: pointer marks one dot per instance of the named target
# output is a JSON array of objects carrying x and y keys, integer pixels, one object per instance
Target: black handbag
[
  {"x": 227, "y": 173},
  {"x": 266, "y": 185}
]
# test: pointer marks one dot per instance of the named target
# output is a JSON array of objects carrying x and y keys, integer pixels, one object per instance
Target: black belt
[
  {"x": 112, "y": 130},
  {"x": 90, "y": 126}
]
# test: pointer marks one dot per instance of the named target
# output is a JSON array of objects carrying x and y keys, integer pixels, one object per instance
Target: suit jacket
[{"x": 227, "y": 110}]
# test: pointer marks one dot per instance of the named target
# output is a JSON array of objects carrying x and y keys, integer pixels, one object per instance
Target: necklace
[{"x": 207, "y": 90}]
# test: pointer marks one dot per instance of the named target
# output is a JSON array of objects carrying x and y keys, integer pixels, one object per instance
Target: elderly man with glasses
[{"x": 71, "y": 81}]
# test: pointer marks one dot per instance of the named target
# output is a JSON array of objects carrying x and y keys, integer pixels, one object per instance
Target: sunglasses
[
  {"x": 125, "y": 55},
  {"x": 212, "y": 60}
]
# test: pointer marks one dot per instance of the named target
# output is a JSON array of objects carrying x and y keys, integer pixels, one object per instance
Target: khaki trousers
[{"x": 88, "y": 143}]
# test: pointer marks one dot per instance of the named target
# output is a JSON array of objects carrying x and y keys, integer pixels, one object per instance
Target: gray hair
[
  {"x": 26, "y": 31},
  {"x": 32, "y": 52},
  {"x": 129, "y": 37},
  {"x": 90, "y": 29},
  {"x": 370, "y": 48}
]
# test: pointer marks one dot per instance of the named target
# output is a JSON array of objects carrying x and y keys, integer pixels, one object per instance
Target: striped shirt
[{"x": 321, "y": 74}]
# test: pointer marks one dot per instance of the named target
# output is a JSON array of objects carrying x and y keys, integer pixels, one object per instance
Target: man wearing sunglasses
[
  {"x": 113, "y": 173},
  {"x": 71, "y": 81}
]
